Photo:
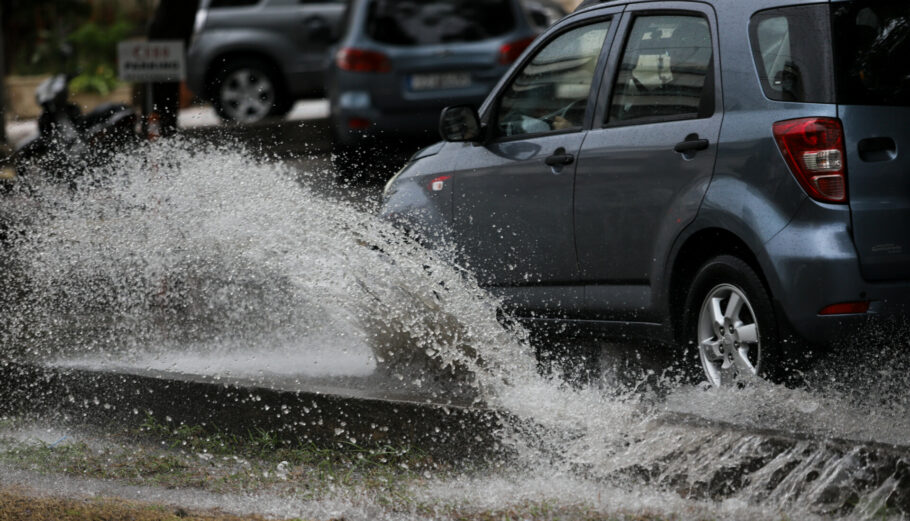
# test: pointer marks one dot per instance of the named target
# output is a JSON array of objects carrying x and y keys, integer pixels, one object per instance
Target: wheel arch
[
  {"x": 227, "y": 56},
  {"x": 691, "y": 252}
]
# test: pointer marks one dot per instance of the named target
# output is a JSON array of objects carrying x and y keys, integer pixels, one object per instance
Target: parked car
[
  {"x": 651, "y": 168},
  {"x": 401, "y": 61},
  {"x": 254, "y": 58}
]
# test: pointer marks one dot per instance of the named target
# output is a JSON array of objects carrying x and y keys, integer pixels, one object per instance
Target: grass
[
  {"x": 19, "y": 505},
  {"x": 187, "y": 456}
]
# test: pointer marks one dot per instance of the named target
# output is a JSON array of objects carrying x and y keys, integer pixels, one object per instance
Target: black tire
[
  {"x": 273, "y": 101},
  {"x": 729, "y": 280}
]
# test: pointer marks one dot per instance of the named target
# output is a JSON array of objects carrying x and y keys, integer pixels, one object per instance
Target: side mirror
[{"x": 459, "y": 123}]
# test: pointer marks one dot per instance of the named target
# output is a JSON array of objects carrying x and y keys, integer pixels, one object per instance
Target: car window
[
  {"x": 414, "y": 22},
  {"x": 666, "y": 71},
  {"x": 872, "y": 46},
  {"x": 550, "y": 92},
  {"x": 792, "y": 54}
]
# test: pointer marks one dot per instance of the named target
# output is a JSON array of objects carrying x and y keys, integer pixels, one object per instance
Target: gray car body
[
  {"x": 598, "y": 247},
  {"x": 274, "y": 31},
  {"x": 384, "y": 99}
]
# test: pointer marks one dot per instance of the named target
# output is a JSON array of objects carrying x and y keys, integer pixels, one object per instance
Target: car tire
[
  {"x": 248, "y": 91},
  {"x": 730, "y": 317}
]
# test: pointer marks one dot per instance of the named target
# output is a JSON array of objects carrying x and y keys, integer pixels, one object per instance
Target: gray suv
[
  {"x": 732, "y": 176},
  {"x": 401, "y": 61},
  {"x": 254, "y": 58}
]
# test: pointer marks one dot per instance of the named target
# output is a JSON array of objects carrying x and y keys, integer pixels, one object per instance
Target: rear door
[
  {"x": 646, "y": 163},
  {"x": 513, "y": 196},
  {"x": 872, "y": 65}
]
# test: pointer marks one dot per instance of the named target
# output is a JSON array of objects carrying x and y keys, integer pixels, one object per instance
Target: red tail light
[
  {"x": 846, "y": 308},
  {"x": 358, "y": 123},
  {"x": 814, "y": 150},
  {"x": 512, "y": 50},
  {"x": 362, "y": 60}
]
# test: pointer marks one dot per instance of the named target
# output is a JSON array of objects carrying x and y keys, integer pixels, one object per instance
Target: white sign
[{"x": 155, "y": 61}]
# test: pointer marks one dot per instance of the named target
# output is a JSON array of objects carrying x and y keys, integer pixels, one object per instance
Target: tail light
[
  {"x": 814, "y": 150},
  {"x": 358, "y": 123},
  {"x": 510, "y": 52},
  {"x": 362, "y": 60},
  {"x": 846, "y": 308}
]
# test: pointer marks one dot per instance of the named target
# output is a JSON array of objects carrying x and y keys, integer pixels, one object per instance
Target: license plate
[{"x": 447, "y": 80}]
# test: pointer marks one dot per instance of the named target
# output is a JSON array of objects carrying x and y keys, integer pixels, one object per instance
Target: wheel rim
[
  {"x": 247, "y": 95},
  {"x": 728, "y": 337}
]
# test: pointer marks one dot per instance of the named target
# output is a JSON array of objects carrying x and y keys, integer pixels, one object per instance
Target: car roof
[{"x": 590, "y": 3}]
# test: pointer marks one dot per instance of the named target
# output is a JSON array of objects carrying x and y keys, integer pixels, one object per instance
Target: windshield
[
  {"x": 872, "y": 49},
  {"x": 408, "y": 22}
]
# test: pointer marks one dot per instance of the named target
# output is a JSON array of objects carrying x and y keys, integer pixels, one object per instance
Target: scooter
[{"x": 68, "y": 140}]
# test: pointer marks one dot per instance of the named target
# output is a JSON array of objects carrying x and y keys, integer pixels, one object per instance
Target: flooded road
[{"x": 194, "y": 261}]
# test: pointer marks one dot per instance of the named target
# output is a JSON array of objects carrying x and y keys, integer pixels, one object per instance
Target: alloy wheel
[
  {"x": 247, "y": 95},
  {"x": 729, "y": 343}
]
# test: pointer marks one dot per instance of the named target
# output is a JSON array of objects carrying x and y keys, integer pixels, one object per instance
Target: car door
[
  {"x": 646, "y": 165},
  {"x": 307, "y": 27},
  {"x": 512, "y": 205}
]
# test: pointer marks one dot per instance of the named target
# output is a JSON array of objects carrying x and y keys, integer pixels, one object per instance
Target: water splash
[{"x": 192, "y": 257}]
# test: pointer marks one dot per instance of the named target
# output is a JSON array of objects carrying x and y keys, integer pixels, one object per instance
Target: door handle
[
  {"x": 877, "y": 149},
  {"x": 691, "y": 145},
  {"x": 559, "y": 158}
]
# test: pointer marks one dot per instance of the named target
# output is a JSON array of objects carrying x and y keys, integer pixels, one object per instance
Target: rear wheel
[
  {"x": 730, "y": 317},
  {"x": 248, "y": 91}
]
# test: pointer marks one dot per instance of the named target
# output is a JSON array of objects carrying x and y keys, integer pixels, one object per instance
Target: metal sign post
[{"x": 156, "y": 61}]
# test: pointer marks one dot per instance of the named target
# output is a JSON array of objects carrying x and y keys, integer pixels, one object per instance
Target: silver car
[{"x": 254, "y": 58}]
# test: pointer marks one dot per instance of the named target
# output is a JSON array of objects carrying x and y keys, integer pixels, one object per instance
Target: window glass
[
  {"x": 665, "y": 71},
  {"x": 792, "y": 54},
  {"x": 872, "y": 47},
  {"x": 551, "y": 91},
  {"x": 416, "y": 22}
]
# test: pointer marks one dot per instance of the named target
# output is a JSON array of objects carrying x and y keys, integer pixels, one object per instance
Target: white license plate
[{"x": 447, "y": 80}]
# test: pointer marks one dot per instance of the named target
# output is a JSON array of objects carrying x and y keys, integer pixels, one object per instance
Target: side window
[
  {"x": 666, "y": 72},
  {"x": 551, "y": 92},
  {"x": 792, "y": 54}
]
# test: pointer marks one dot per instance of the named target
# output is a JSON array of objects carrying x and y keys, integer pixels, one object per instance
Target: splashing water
[{"x": 195, "y": 258}]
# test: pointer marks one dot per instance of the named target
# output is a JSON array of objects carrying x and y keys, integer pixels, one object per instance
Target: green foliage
[
  {"x": 96, "y": 47},
  {"x": 34, "y": 31}
]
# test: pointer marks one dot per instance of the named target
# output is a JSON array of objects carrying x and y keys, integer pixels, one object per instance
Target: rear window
[
  {"x": 415, "y": 22},
  {"x": 872, "y": 52}
]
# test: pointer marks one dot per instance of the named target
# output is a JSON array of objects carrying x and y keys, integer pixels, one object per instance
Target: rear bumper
[{"x": 814, "y": 264}]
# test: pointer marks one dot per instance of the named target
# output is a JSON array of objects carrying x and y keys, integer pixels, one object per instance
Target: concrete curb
[{"x": 105, "y": 398}]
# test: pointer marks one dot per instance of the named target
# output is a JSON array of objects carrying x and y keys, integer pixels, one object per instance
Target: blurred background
[{"x": 372, "y": 72}]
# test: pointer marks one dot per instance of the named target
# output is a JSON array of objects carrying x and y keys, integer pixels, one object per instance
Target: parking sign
[{"x": 151, "y": 61}]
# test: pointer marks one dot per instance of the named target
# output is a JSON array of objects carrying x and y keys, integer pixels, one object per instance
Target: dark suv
[{"x": 726, "y": 175}]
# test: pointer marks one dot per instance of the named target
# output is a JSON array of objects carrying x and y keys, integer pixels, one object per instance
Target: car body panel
[{"x": 878, "y": 166}]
